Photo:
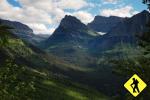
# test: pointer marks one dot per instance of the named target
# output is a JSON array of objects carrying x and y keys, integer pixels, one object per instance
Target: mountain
[
  {"x": 128, "y": 58},
  {"x": 126, "y": 31},
  {"x": 104, "y": 24},
  {"x": 118, "y": 50},
  {"x": 71, "y": 28},
  {"x": 23, "y": 31},
  {"x": 70, "y": 41},
  {"x": 134, "y": 25},
  {"x": 27, "y": 72}
]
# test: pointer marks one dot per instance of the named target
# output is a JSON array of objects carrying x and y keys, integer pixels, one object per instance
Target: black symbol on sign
[{"x": 134, "y": 85}]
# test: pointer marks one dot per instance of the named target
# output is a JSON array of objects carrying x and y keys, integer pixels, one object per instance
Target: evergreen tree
[{"x": 147, "y": 2}]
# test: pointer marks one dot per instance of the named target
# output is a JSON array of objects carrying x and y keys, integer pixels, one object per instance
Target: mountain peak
[
  {"x": 71, "y": 22},
  {"x": 104, "y": 24},
  {"x": 69, "y": 17},
  {"x": 104, "y": 17},
  {"x": 133, "y": 25},
  {"x": 145, "y": 12}
]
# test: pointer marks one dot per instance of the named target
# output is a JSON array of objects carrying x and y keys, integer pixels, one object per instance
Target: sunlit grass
[
  {"x": 76, "y": 94},
  {"x": 48, "y": 82}
]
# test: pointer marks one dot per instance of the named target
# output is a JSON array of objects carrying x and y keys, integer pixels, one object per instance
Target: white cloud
[
  {"x": 28, "y": 15},
  {"x": 45, "y": 5},
  {"x": 52, "y": 30},
  {"x": 48, "y": 5},
  {"x": 9, "y": 12},
  {"x": 84, "y": 16},
  {"x": 71, "y": 4},
  {"x": 39, "y": 28},
  {"x": 110, "y": 1},
  {"x": 59, "y": 14},
  {"x": 126, "y": 11},
  {"x": 40, "y": 13}
]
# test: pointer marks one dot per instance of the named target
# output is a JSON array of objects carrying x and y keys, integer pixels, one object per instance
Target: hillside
[
  {"x": 23, "y": 31},
  {"x": 26, "y": 72}
]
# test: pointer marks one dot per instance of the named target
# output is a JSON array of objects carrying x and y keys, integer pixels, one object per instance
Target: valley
[{"x": 75, "y": 62}]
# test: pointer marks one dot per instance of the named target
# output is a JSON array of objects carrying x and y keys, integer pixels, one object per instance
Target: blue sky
[
  {"x": 136, "y": 4},
  {"x": 44, "y": 16}
]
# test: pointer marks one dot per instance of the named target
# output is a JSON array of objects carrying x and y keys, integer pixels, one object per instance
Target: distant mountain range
[
  {"x": 73, "y": 29},
  {"x": 72, "y": 35},
  {"x": 126, "y": 31}
]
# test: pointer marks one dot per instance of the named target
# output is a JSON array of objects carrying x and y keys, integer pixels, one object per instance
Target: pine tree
[{"x": 147, "y": 2}]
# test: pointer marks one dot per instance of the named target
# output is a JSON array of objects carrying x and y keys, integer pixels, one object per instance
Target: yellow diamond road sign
[{"x": 135, "y": 85}]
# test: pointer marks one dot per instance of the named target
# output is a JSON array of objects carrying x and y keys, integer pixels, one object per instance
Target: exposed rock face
[
  {"x": 133, "y": 25},
  {"x": 70, "y": 40},
  {"x": 104, "y": 24},
  {"x": 125, "y": 31},
  {"x": 71, "y": 29}
]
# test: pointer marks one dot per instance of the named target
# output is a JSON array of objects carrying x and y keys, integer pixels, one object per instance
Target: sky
[{"x": 44, "y": 16}]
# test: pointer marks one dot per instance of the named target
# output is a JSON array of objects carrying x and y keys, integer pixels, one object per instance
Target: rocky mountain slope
[
  {"x": 70, "y": 41},
  {"x": 104, "y": 24},
  {"x": 127, "y": 31}
]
